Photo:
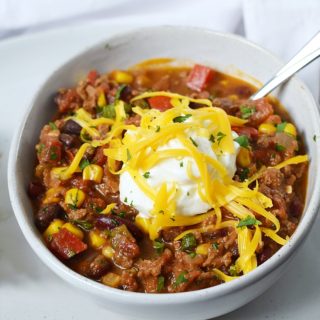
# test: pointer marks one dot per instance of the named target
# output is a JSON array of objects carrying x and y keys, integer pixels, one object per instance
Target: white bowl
[{"x": 225, "y": 52}]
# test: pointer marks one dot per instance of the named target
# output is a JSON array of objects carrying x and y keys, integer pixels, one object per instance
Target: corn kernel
[
  {"x": 122, "y": 77},
  {"x": 53, "y": 195},
  {"x": 74, "y": 197},
  {"x": 111, "y": 279},
  {"x": 102, "y": 100},
  {"x": 267, "y": 128},
  {"x": 108, "y": 252},
  {"x": 53, "y": 228},
  {"x": 290, "y": 129},
  {"x": 203, "y": 249},
  {"x": 244, "y": 158},
  {"x": 96, "y": 241},
  {"x": 143, "y": 224},
  {"x": 73, "y": 229},
  {"x": 92, "y": 172}
]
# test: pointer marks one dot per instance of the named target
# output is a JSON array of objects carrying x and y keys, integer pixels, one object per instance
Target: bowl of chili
[{"x": 117, "y": 236}]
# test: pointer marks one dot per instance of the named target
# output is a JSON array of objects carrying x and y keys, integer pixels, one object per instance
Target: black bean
[
  {"x": 35, "y": 188},
  {"x": 46, "y": 214},
  {"x": 112, "y": 221},
  {"x": 71, "y": 127},
  {"x": 69, "y": 140}
]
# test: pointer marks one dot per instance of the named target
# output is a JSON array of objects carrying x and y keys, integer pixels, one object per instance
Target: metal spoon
[{"x": 307, "y": 54}]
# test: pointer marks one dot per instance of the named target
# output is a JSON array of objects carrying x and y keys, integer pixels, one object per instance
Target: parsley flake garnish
[
  {"x": 246, "y": 111},
  {"x": 244, "y": 174},
  {"x": 83, "y": 224},
  {"x": 242, "y": 141},
  {"x": 280, "y": 147},
  {"x": 248, "y": 221},
  {"x": 125, "y": 199},
  {"x": 188, "y": 242},
  {"x": 233, "y": 271},
  {"x": 84, "y": 163},
  {"x": 314, "y": 138},
  {"x": 181, "y": 278},
  {"x": 220, "y": 136},
  {"x": 158, "y": 245},
  {"x": 215, "y": 246},
  {"x": 53, "y": 126},
  {"x": 157, "y": 128},
  {"x": 212, "y": 138},
  {"x": 281, "y": 126},
  {"x": 180, "y": 119},
  {"x": 146, "y": 175},
  {"x": 160, "y": 283},
  {"x": 194, "y": 143}
]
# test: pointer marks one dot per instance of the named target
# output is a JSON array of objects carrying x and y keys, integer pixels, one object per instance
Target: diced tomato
[
  {"x": 161, "y": 103},
  {"x": 250, "y": 132},
  {"x": 92, "y": 76},
  {"x": 51, "y": 152},
  {"x": 66, "y": 245},
  {"x": 199, "y": 77}
]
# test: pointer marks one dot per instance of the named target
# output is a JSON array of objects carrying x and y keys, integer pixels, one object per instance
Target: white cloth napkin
[{"x": 282, "y": 26}]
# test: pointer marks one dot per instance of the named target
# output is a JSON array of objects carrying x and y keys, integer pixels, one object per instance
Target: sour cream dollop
[{"x": 174, "y": 171}]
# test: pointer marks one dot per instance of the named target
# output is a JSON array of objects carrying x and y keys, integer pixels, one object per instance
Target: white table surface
[{"x": 28, "y": 289}]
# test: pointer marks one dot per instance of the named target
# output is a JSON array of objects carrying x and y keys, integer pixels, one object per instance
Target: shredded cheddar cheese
[{"x": 138, "y": 150}]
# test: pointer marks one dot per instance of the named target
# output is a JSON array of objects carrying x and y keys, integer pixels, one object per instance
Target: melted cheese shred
[{"x": 138, "y": 151}]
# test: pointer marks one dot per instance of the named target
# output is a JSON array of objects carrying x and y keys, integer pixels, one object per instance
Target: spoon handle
[{"x": 307, "y": 54}]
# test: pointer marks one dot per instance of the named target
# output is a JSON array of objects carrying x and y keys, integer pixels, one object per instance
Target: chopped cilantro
[
  {"x": 146, "y": 175},
  {"x": 188, "y": 242},
  {"x": 181, "y": 278},
  {"x": 40, "y": 148},
  {"x": 83, "y": 224},
  {"x": 84, "y": 163},
  {"x": 248, "y": 221},
  {"x": 181, "y": 118},
  {"x": 243, "y": 141},
  {"x": 188, "y": 193},
  {"x": 220, "y": 136},
  {"x": 53, "y": 154},
  {"x": 194, "y": 143},
  {"x": 314, "y": 138},
  {"x": 215, "y": 246},
  {"x": 122, "y": 214},
  {"x": 233, "y": 271},
  {"x": 246, "y": 111},
  {"x": 161, "y": 211},
  {"x": 160, "y": 283},
  {"x": 281, "y": 126},
  {"x": 212, "y": 138},
  {"x": 280, "y": 147},
  {"x": 119, "y": 91},
  {"x": 181, "y": 164},
  {"x": 108, "y": 111},
  {"x": 157, "y": 128},
  {"x": 125, "y": 199},
  {"x": 244, "y": 174},
  {"x": 53, "y": 126},
  {"x": 158, "y": 245}
]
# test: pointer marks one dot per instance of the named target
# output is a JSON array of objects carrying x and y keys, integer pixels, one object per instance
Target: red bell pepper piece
[
  {"x": 159, "y": 102},
  {"x": 250, "y": 132},
  {"x": 199, "y": 77},
  {"x": 92, "y": 76},
  {"x": 66, "y": 245}
]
